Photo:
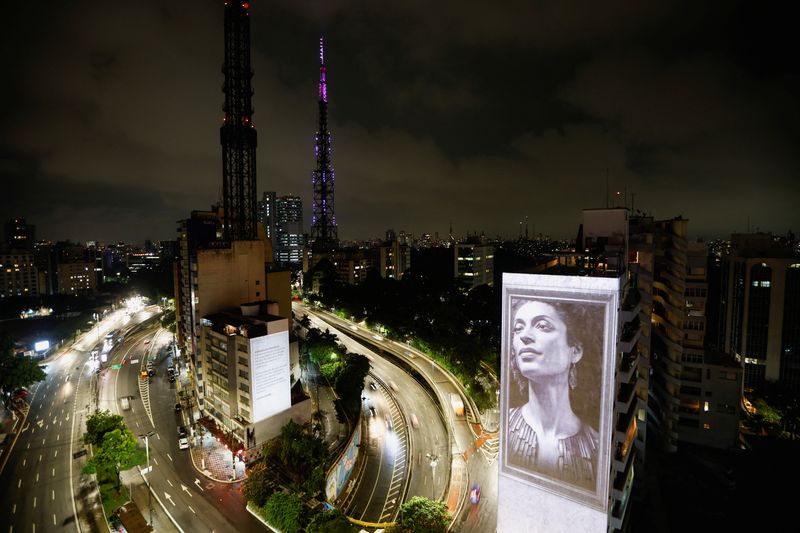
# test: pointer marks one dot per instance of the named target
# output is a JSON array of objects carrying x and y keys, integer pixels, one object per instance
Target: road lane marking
[
  {"x": 14, "y": 509},
  {"x": 137, "y": 424},
  {"x": 42, "y": 442},
  {"x": 170, "y": 483},
  {"x": 159, "y": 436},
  {"x": 19, "y": 483},
  {"x": 37, "y": 477},
  {"x": 24, "y": 462},
  {"x": 54, "y": 519},
  {"x": 54, "y": 472},
  {"x": 190, "y": 508},
  {"x": 28, "y": 447},
  {"x": 55, "y": 454},
  {"x": 34, "y": 502},
  {"x": 155, "y": 461},
  {"x": 58, "y": 436},
  {"x": 170, "y": 457},
  {"x": 53, "y": 495},
  {"x": 40, "y": 458}
]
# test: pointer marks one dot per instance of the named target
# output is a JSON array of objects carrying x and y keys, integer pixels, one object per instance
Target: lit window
[
  {"x": 706, "y": 425},
  {"x": 705, "y": 406}
]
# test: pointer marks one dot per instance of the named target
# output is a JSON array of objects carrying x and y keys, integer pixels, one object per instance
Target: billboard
[
  {"x": 269, "y": 365},
  {"x": 557, "y": 399},
  {"x": 41, "y": 346}
]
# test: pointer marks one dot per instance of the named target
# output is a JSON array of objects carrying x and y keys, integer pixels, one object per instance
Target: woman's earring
[{"x": 573, "y": 376}]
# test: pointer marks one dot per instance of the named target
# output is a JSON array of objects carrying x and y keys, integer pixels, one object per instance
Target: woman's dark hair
[{"x": 585, "y": 324}]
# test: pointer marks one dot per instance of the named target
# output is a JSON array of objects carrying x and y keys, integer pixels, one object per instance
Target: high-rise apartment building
[
  {"x": 249, "y": 371},
  {"x": 759, "y": 317},
  {"x": 18, "y": 274},
  {"x": 77, "y": 278},
  {"x": 473, "y": 265},
  {"x": 19, "y": 235},
  {"x": 289, "y": 240},
  {"x": 394, "y": 257},
  {"x": 266, "y": 215},
  {"x": 694, "y": 391}
]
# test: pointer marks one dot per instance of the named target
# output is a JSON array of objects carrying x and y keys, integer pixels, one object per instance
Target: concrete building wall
[{"x": 227, "y": 277}]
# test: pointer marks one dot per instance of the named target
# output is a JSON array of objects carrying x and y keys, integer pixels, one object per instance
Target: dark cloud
[{"x": 470, "y": 113}]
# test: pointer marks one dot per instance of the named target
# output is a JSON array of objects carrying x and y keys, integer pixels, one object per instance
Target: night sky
[{"x": 472, "y": 113}]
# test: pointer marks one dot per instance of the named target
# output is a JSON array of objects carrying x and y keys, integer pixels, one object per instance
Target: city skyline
[{"x": 439, "y": 115}]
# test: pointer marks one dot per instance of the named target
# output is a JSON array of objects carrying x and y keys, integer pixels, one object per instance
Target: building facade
[
  {"x": 18, "y": 274},
  {"x": 473, "y": 265},
  {"x": 759, "y": 316},
  {"x": 289, "y": 240},
  {"x": 692, "y": 388},
  {"x": 250, "y": 367}
]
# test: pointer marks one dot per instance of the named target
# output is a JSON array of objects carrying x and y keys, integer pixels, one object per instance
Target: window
[
  {"x": 258, "y": 282},
  {"x": 706, "y": 425},
  {"x": 705, "y": 406}
]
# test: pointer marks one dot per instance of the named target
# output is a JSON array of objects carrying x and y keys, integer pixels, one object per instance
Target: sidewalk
[
  {"x": 210, "y": 457},
  {"x": 140, "y": 494},
  {"x": 214, "y": 460}
]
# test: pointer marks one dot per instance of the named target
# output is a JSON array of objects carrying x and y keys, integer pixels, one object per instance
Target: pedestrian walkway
[
  {"x": 139, "y": 492},
  {"x": 458, "y": 485},
  {"x": 215, "y": 460}
]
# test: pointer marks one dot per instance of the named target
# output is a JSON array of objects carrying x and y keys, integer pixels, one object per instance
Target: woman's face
[{"x": 540, "y": 342}]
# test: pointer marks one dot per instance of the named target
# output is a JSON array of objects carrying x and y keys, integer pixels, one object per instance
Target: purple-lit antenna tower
[
  {"x": 237, "y": 134},
  {"x": 323, "y": 220}
]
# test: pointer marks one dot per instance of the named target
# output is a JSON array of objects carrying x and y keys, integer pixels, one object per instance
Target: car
[
  {"x": 414, "y": 420},
  {"x": 372, "y": 385},
  {"x": 147, "y": 341},
  {"x": 389, "y": 424},
  {"x": 181, "y": 431},
  {"x": 177, "y": 407},
  {"x": 183, "y": 443},
  {"x": 372, "y": 410},
  {"x": 172, "y": 379},
  {"x": 151, "y": 372}
]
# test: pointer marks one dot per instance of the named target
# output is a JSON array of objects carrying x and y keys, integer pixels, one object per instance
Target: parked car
[
  {"x": 372, "y": 410},
  {"x": 372, "y": 385},
  {"x": 177, "y": 407},
  {"x": 183, "y": 443},
  {"x": 181, "y": 431}
]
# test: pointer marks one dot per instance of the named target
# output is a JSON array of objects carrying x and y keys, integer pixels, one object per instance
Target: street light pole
[{"x": 146, "y": 437}]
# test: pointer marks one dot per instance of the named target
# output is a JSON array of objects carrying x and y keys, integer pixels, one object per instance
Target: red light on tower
[{"x": 245, "y": 5}]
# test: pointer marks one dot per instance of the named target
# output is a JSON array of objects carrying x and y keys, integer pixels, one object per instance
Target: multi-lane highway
[
  {"x": 41, "y": 481},
  {"x": 182, "y": 499},
  {"x": 472, "y": 460}
]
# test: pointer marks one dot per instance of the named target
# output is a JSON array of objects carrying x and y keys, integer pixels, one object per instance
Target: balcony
[
  {"x": 624, "y": 396},
  {"x": 628, "y": 365}
]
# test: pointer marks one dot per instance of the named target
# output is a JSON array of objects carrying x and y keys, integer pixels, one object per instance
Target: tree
[
  {"x": 331, "y": 521},
  {"x": 16, "y": 372},
  {"x": 257, "y": 488},
  {"x": 286, "y": 512},
  {"x": 118, "y": 451},
  {"x": 350, "y": 383},
  {"x": 420, "y": 515},
  {"x": 302, "y": 454},
  {"x": 100, "y": 423}
]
